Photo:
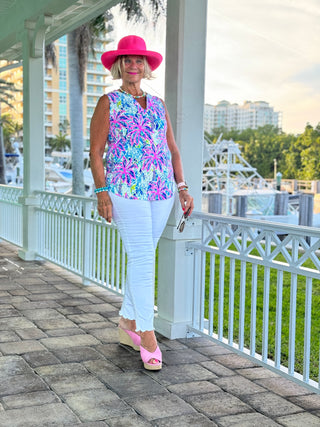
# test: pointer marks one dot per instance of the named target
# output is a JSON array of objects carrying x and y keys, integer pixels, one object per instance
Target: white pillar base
[
  {"x": 170, "y": 330},
  {"x": 27, "y": 255},
  {"x": 30, "y": 228}
]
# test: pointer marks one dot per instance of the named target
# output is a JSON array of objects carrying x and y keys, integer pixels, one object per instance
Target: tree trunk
[
  {"x": 76, "y": 117},
  {"x": 2, "y": 160}
]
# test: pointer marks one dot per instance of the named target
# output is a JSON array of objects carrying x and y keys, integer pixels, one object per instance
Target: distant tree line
[{"x": 298, "y": 156}]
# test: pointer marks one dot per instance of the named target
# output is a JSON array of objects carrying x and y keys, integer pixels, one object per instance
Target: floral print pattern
[{"x": 138, "y": 160}]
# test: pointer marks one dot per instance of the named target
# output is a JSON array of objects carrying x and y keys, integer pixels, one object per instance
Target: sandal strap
[
  {"x": 136, "y": 339},
  {"x": 146, "y": 355}
]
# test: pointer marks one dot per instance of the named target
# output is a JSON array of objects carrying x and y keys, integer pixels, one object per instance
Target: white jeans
[{"x": 140, "y": 223}]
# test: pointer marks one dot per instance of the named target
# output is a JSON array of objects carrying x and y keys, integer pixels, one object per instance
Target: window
[
  {"x": 62, "y": 50},
  {"x": 63, "y": 62},
  {"x": 63, "y": 40},
  {"x": 99, "y": 90},
  {"x": 63, "y": 79},
  {"x": 62, "y": 109}
]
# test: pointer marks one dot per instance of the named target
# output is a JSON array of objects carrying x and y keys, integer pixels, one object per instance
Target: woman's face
[{"x": 132, "y": 68}]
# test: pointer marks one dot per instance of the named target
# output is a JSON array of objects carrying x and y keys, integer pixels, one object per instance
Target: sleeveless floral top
[{"x": 138, "y": 160}]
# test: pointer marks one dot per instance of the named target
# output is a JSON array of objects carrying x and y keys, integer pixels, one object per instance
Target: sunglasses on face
[{"x": 182, "y": 221}]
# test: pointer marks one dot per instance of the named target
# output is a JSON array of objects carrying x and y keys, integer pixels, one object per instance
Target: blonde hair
[{"x": 116, "y": 68}]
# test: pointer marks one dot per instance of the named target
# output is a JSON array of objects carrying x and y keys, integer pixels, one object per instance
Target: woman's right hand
[{"x": 105, "y": 205}]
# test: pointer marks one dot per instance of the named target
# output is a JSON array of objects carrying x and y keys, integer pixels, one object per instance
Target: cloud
[
  {"x": 310, "y": 77},
  {"x": 256, "y": 50},
  {"x": 265, "y": 51}
]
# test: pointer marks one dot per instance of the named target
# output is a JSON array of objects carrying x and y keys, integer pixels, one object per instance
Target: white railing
[
  {"x": 11, "y": 214},
  {"x": 256, "y": 289},
  {"x": 256, "y": 284},
  {"x": 296, "y": 185},
  {"x": 72, "y": 235}
]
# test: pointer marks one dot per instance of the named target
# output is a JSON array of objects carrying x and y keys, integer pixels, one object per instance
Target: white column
[
  {"x": 33, "y": 130},
  {"x": 185, "y": 73}
]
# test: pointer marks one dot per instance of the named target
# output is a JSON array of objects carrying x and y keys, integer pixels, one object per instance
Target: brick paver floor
[{"x": 61, "y": 365}]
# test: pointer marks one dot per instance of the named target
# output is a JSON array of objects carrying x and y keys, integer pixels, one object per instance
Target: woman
[{"x": 142, "y": 163}]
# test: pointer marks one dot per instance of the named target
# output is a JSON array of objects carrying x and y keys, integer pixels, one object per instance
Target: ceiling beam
[
  {"x": 66, "y": 15},
  {"x": 88, "y": 11}
]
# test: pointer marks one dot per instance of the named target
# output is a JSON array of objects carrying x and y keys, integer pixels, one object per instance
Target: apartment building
[
  {"x": 56, "y": 102},
  {"x": 233, "y": 116},
  {"x": 13, "y": 75}
]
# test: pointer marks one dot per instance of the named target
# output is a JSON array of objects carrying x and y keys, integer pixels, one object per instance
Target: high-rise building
[
  {"x": 13, "y": 75},
  {"x": 233, "y": 116},
  {"x": 56, "y": 101}
]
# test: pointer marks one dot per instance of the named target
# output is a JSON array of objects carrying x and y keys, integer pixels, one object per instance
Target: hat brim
[{"x": 154, "y": 58}]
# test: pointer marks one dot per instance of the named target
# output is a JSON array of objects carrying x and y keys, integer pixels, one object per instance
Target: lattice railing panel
[
  {"x": 73, "y": 235},
  {"x": 11, "y": 214},
  {"x": 10, "y": 194},
  {"x": 257, "y": 290}
]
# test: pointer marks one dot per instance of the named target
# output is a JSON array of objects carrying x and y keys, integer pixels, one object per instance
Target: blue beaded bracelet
[{"x": 100, "y": 190}]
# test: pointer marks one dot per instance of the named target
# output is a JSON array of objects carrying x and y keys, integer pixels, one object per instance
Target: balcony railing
[
  {"x": 72, "y": 235},
  {"x": 256, "y": 284},
  {"x": 256, "y": 289},
  {"x": 11, "y": 214}
]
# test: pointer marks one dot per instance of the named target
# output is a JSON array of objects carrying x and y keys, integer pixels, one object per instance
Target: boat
[{"x": 58, "y": 172}]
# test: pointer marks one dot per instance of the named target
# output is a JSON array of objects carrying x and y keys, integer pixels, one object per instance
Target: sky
[{"x": 257, "y": 51}]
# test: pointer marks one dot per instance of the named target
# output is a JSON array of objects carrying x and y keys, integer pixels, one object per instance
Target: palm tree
[
  {"x": 60, "y": 142},
  {"x": 134, "y": 11},
  {"x": 11, "y": 129},
  {"x": 6, "y": 89},
  {"x": 80, "y": 41}
]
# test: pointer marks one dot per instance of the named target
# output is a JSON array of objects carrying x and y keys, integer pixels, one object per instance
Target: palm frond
[
  {"x": 134, "y": 10},
  {"x": 6, "y": 89},
  {"x": 158, "y": 8},
  {"x": 101, "y": 24},
  {"x": 50, "y": 55}
]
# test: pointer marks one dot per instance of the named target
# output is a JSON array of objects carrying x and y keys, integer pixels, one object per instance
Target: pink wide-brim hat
[{"x": 131, "y": 45}]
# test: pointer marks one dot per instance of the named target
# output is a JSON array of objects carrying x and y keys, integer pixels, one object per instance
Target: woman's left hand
[{"x": 186, "y": 201}]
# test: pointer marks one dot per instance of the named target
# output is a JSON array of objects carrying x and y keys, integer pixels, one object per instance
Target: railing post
[
  {"x": 87, "y": 248},
  {"x": 315, "y": 187},
  {"x": 281, "y": 203},
  {"x": 241, "y": 205},
  {"x": 306, "y": 209},
  {"x": 306, "y": 212},
  {"x": 215, "y": 203}
]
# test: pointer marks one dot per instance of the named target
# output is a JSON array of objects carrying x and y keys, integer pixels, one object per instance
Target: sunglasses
[{"x": 182, "y": 221}]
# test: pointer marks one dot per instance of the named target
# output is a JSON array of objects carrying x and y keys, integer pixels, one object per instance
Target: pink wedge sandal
[
  {"x": 129, "y": 338},
  {"x": 146, "y": 356}
]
